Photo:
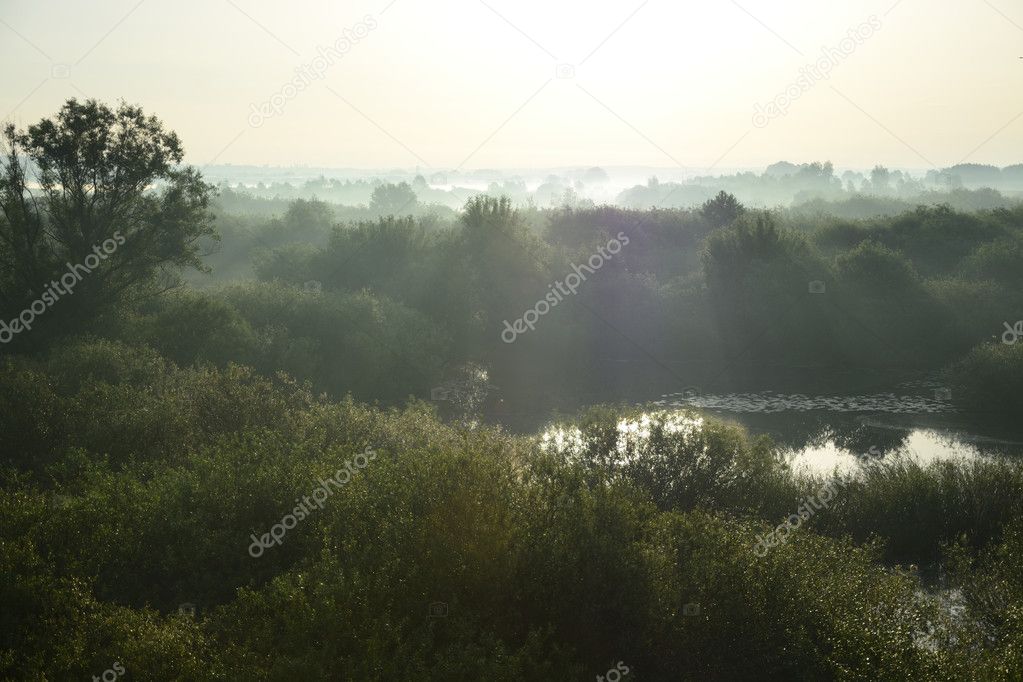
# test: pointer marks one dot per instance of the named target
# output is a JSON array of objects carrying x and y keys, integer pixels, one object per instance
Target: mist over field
[{"x": 480, "y": 340}]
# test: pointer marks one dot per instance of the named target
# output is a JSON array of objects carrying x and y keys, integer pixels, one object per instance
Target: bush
[
  {"x": 988, "y": 382},
  {"x": 343, "y": 343},
  {"x": 454, "y": 553}
]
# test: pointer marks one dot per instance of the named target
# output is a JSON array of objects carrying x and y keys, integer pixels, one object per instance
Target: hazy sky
[{"x": 475, "y": 84}]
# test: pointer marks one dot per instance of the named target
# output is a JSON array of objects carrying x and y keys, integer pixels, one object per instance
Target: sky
[{"x": 472, "y": 84}]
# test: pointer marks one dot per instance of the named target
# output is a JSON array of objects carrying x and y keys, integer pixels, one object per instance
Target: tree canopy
[{"x": 94, "y": 202}]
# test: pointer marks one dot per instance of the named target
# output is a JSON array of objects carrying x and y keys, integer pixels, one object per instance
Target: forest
[{"x": 186, "y": 366}]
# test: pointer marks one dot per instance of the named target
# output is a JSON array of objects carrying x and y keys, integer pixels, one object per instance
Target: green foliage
[
  {"x": 53, "y": 627},
  {"x": 90, "y": 205},
  {"x": 343, "y": 342},
  {"x": 191, "y": 327},
  {"x": 680, "y": 459},
  {"x": 758, "y": 279},
  {"x": 988, "y": 382},
  {"x": 915, "y": 290},
  {"x": 1000, "y": 260},
  {"x": 884, "y": 309},
  {"x": 137, "y": 466},
  {"x": 130, "y": 404},
  {"x": 722, "y": 210},
  {"x": 934, "y": 238},
  {"x": 391, "y": 256},
  {"x": 390, "y": 199},
  {"x": 465, "y": 554},
  {"x": 916, "y": 509},
  {"x": 874, "y": 267},
  {"x": 990, "y": 592}
]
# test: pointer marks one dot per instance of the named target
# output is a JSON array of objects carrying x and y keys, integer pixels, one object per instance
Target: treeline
[
  {"x": 392, "y": 307},
  {"x": 815, "y": 186},
  {"x": 721, "y": 286},
  {"x": 804, "y": 187}
]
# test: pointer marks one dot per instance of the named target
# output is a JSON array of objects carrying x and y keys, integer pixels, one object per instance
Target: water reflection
[
  {"x": 818, "y": 441},
  {"x": 632, "y": 434},
  {"x": 921, "y": 445},
  {"x": 821, "y": 433}
]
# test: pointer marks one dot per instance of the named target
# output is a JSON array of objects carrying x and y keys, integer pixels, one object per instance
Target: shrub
[{"x": 988, "y": 382}]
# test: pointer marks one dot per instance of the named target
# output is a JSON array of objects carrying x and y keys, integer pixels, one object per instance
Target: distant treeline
[
  {"x": 719, "y": 286},
  {"x": 810, "y": 186},
  {"x": 816, "y": 186}
]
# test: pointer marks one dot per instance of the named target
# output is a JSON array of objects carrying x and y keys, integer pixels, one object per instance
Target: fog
[
  {"x": 475, "y": 85},
  {"x": 482, "y": 340},
  {"x": 780, "y": 184}
]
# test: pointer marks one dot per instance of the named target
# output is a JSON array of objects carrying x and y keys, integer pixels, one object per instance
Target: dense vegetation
[
  {"x": 153, "y": 434},
  {"x": 721, "y": 287},
  {"x": 135, "y": 487}
]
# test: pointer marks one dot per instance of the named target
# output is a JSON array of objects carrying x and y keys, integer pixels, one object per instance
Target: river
[{"x": 871, "y": 417}]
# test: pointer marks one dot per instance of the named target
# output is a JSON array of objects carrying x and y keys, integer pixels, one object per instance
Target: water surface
[{"x": 818, "y": 427}]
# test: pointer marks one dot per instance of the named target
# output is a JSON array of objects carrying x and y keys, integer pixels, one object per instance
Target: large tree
[
  {"x": 94, "y": 203},
  {"x": 391, "y": 199},
  {"x": 722, "y": 210}
]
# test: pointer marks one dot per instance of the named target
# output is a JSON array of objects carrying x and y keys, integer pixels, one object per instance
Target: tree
[
  {"x": 874, "y": 268},
  {"x": 879, "y": 179},
  {"x": 94, "y": 203},
  {"x": 391, "y": 199},
  {"x": 492, "y": 272},
  {"x": 758, "y": 279},
  {"x": 307, "y": 216},
  {"x": 723, "y": 209}
]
